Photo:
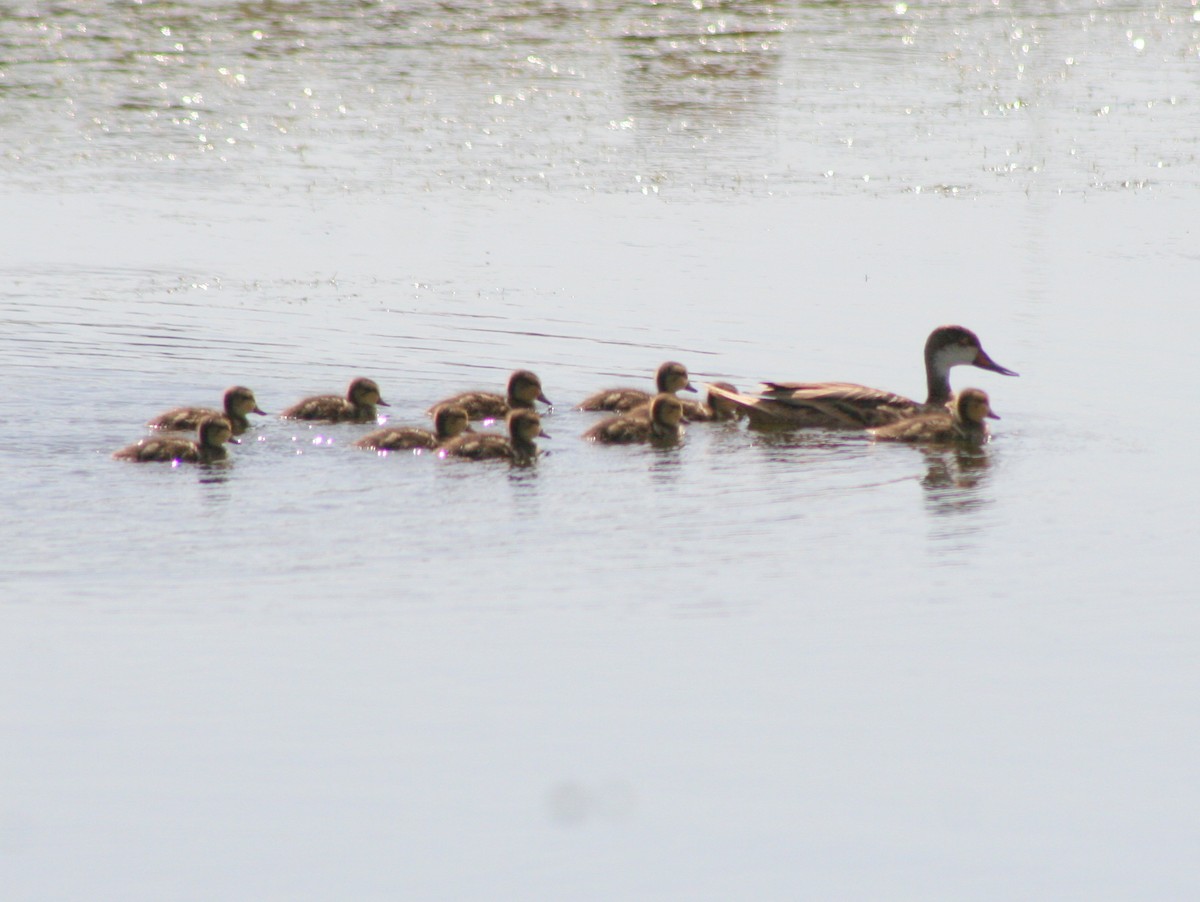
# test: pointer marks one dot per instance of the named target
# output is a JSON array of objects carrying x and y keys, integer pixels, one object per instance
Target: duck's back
[
  {"x": 621, "y": 430},
  {"x": 324, "y": 407},
  {"x": 479, "y": 446},
  {"x": 616, "y": 400},
  {"x": 401, "y": 438},
  {"x": 184, "y": 418},
  {"x": 930, "y": 427},
  {"x": 825, "y": 405},
  {"x": 479, "y": 405},
  {"x": 165, "y": 449}
]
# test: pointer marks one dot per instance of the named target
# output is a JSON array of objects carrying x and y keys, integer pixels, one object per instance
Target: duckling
[
  {"x": 658, "y": 423},
  {"x": 357, "y": 407},
  {"x": 238, "y": 402},
  {"x": 449, "y": 421},
  {"x": 671, "y": 377},
  {"x": 211, "y": 435},
  {"x": 714, "y": 408},
  {"x": 524, "y": 388},
  {"x": 962, "y": 421},
  {"x": 518, "y": 446}
]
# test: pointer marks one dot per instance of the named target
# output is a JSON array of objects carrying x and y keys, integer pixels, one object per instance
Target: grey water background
[{"x": 756, "y": 666}]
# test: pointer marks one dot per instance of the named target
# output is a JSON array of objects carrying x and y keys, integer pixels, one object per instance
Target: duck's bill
[
  {"x": 690, "y": 387},
  {"x": 544, "y": 434},
  {"x": 984, "y": 362},
  {"x": 992, "y": 415},
  {"x": 261, "y": 413},
  {"x": 234, "y": 441},
  {"x": 545, "y": 400},
  {"x": 382, "y": 403}
]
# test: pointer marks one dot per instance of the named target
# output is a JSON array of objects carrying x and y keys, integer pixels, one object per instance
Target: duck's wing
[{"x": 822, "y": 405}]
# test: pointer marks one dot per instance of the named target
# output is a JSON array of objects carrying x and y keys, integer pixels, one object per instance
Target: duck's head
[
  {"x": 722, "y": 406},
  {"x": 666, "y": 410},
  {"x": 365, "y": 391},
  {"x": 525, "y": 387},
  {"x": 672, "y": 376},
  {"x": 524, "y": 426},
  {"x": 950, "y": 346},
  {"x": 450, "y": 420},
  {"x": 971, "y": 405},
  {"x": 240, "y": 401},
  {"x": 213, "y": 432}
]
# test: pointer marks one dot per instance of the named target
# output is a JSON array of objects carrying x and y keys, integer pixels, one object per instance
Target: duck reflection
[{"x": 956, "y": 481}]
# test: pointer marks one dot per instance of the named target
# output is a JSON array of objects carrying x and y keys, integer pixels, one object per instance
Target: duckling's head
[
  {"x": 524, "y": 426},
  {"x": 666, "y": 410},
  {"x": 672, "y": 376},
  {"x": 722, "y": 406},
  {"x": 972, "y": 406},
  {"x": 950, "y": 346},
  {"x": 240, "y": 401},
  {"x": 365, "y": 391},
  {"x": 213, "y": 432},
  {"x": 525, "y": 388},
  {"x": 450, "y": 420}
]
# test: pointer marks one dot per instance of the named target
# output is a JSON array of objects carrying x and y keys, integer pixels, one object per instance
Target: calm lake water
[{"x": 756, "y": 666}]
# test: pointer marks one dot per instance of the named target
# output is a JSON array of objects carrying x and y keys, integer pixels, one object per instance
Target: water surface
[{"x": 753, "y": 666}]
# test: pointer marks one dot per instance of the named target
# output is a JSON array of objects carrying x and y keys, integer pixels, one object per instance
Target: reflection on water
[
  {"x": 287, "y": 195},
  {"x": 958, "y": 489},
  {"x": 697, "y": 72},
  {"x": 611, "y": 95}
]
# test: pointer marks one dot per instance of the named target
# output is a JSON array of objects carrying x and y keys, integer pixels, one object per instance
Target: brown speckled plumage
[
  {"x": 845, "y": 405},
  {"x": 209, "y": 446},
  {"x": 964, "y": 420},
  {"x": 358, "y": 406},
  {"x": 671, "y": 377},
  {"x": 238, "y": 402},
  {"x": 524, "y": 388},
  {"x": 448, "y": 421},
  {"x": 714, "y": 408},
  {"x": 518, "y": 446},
  {"x": 657, "y": 422}
]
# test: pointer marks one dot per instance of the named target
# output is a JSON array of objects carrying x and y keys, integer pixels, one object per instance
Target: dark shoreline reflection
[{"x": 701, "y": 71}]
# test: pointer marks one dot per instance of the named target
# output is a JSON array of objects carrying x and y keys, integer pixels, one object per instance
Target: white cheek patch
[{"x": 954, "y": 355}]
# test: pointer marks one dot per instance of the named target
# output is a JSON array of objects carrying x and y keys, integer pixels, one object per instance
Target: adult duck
[{"x": 844, "y": 405}]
